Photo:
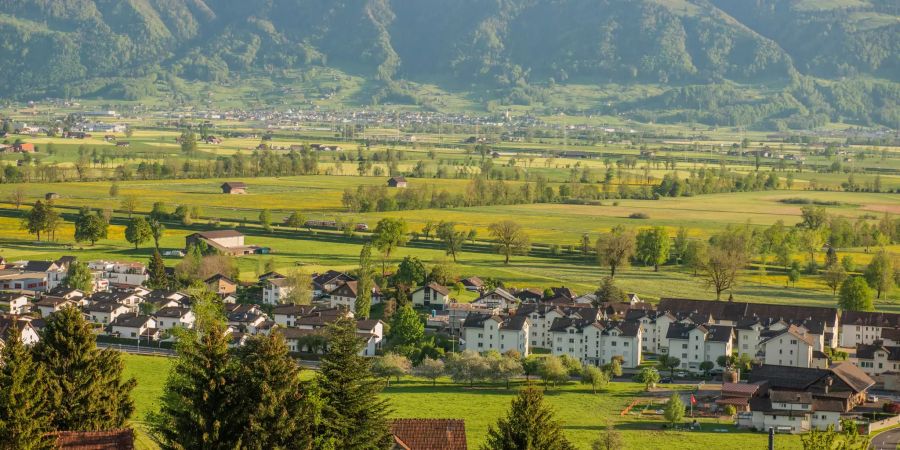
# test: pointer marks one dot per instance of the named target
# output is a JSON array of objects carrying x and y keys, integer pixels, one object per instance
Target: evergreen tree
[
  {"x": 84, "y": 384},
  {"x": 79, "y": 277},
  {"x": 273, "y": 411},
  {"x": 353, "y": 417},
  {"x": 674, "y": 410},
  {"x": 157, "y": 272},
  {"x": 363, "y": 305},
  {"x": 265, "y": 220},
  {"x": 197, "y": 405},
  {"x": 529, "y": 425},
  {"x": 24, "y": 420}
]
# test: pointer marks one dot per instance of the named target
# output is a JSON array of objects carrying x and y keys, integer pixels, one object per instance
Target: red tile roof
[
  {"x": 430, "y": 434},
  {"x": 95, "y": 440}
]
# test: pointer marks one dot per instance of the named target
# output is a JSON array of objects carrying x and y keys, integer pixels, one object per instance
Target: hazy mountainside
[{"x": 511, "y": 47}]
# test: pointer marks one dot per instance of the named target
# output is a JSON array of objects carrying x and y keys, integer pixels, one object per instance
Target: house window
[
  {"x": 793, "y": 342},
  {"x": 625, "y": 344}
]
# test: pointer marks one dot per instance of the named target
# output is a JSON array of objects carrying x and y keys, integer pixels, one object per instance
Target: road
[
  {"x": 133, "y": 349},
  {"x": 889, "y": 440}
]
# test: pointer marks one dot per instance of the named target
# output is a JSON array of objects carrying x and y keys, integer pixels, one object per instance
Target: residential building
[
  {"x": 134, "y": 326},
  {"x": 862, "y": 327},
  {"x": 482, "y": 332},
  {"x": 497, "y": 298},
  {"x": 457, "y": 313},
  {"x": 597, "y": 342},
  {"x": 344, "y": 296},
  {"x": 792, "y": 346},
  {"x": 48, "y": 305},
  {"x": 694, "y": 344},
  {"x": 28, "y": 334},
  {"x": 171, "y": 317},
  {"x": 14, "y": 303},
  {"x": 105, "y": 312},
  {"x": 542, "y": 316},
  {"x": 397, "y": 182},
  {"x": 431, "y": 295},
  {"x": 220, "y": 284},
  {"x": 121, "y": 273},
  {"x": 326, "y": 282},
  {"x": 798, "y": 399},
  {"x": 275, "y": 290}
]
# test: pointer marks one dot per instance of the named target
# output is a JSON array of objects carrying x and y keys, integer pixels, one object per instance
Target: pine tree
[
  {"x": 353, "y": 417},
  {"x": 24, "y": 421},
  {"x": 528, "y": 425},
  {"x": 273, "y": 410},
  {"x": 197, "y": 404},
  {"x": 84, "y": 384},
  {"x": 157, "y": 272}
]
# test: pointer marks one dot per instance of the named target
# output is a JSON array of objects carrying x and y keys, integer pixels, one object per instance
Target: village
[{"x": 787, "y": 368}]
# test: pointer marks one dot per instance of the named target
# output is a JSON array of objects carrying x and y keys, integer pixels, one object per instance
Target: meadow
[
  {"x": 582, "y": 413},
  {"x": 559, "y": 224}
]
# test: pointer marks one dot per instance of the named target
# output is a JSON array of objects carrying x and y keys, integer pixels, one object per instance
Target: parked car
[
  {"x": 872, "y": 398},
  {"x": 666, "y": 380},
  {"x": 177, "y": 253}
]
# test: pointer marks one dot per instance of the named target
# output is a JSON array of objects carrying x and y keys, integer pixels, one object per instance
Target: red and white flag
[{"x": 693, "y": 400}]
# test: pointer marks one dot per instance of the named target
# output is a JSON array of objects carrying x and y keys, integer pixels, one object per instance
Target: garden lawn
[{"x": 581, "y": 413}]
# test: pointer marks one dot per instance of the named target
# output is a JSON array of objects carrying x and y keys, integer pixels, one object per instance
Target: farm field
[
  {"x": 582, "y": 413},
  {"x": 560, "y": 224}
]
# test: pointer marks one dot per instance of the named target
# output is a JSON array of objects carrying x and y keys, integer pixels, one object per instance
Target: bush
[
  {"x": 892, "y": 408},
  {"x": 730, "y": 410},
  {"x": 638, "y": 215}
]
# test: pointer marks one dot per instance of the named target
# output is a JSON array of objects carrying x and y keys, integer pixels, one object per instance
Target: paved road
[{"x": 889, "y": 440}]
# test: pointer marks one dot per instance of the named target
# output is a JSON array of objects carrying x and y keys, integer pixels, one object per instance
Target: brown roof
[
  {"x": 435, "y": 287},
  {"x": 95, "y": 440},
  {"x": 735, "y": 311},
  {"x": 871, "y": 319},
  {"x": 430, "y": 434},
  {"x": 853, "y": 376}
]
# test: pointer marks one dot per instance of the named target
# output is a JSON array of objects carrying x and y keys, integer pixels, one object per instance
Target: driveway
[{"x": 889, "y": 440}]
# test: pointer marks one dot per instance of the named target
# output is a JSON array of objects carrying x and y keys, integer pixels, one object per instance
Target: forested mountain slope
[{"x": 510, "y": 48}]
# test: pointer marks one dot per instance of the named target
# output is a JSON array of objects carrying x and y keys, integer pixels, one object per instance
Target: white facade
[
  {"x": 134, "y": 332},
  {"x": 15, "y": 303},
  {"x": 789, "y": 348},
  {"x": 170, "y": 318},
  {"x": 106, "y": 316},
  {"x": 494, "y": 335},
  {"x": 431, "y": 295},
  {"x": 275, "y": 291}
]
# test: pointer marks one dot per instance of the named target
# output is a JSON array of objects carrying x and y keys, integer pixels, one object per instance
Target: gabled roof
[
  {"x": 682, "y": 331},
  {"x": 870, "y": 319},
  {"x": 473, "y": 282},
  {"x": 794, "y": 332},
  {"x": 434, "y": 287},
  {"x": 173, "y": 312},
  {"x": 719, "y": 333},
  {"x": 737, "y": 311},
  {"x": 218, "y": 277},
  {"x": 852, "y": 375},
  {"x": 38, "y": 266},
  {"x": 430, "y": 434},
  {"x": 104, "y": 307},
  {"x": 500, "y": 292},
  {"x": 131, "y": 320},
  {"x": 235, "y": 184}
]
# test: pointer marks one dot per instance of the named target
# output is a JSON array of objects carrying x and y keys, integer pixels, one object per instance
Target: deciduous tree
[
  {"x": 653, "y": 247},
  {"x": 510, "y": 238},
  {"x": 615, "y": 248},
  {"x": 138, "y": 231},
  {"x": 674, "y": 410},
  {"x": 855, "y": 295}
]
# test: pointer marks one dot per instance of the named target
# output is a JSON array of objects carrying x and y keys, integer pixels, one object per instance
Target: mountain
[{"x": 808, "y": 57}]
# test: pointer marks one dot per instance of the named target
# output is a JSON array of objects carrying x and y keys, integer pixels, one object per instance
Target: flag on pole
[{"x": 693, "y": 400}]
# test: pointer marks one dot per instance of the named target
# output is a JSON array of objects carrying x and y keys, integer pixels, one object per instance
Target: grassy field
[
  {"x": 562, "y": 224},
  {"x": 581, "y": 413}
]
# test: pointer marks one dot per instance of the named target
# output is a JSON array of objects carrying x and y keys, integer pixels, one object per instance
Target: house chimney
[{"x": 828, "y": 382}]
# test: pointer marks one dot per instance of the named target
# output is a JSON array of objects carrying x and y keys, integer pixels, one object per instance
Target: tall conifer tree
[
  {"x": 353, "y": 417},
  {"x": 529, "y": 425},
  {"x": 197, "y": 405},
  {"x": 157, "y": 272},
  {"x": 84, "y": 384},
  {"x": 273, "y": 410},
  {"x": 24, "y": 419}
]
